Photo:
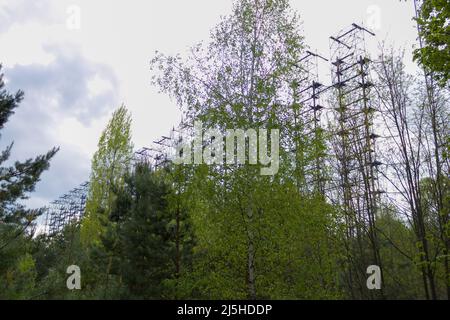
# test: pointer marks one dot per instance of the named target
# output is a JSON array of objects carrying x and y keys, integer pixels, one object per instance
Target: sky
[{"x": 77, "y": 61}]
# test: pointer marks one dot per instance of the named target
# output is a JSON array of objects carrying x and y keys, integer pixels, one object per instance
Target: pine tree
[
  {"x": 17, "y": 180},
  {"x": 17, "y": 266},
  {"x": 142, "y": 238}
]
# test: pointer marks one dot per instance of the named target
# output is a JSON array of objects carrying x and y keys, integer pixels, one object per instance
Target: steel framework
[
  {"x": 66, "y": 210},
  {"x": 70, "y": 207},
  {"x": 306, "y": 127},
  {"x": 354, "y": 143}
]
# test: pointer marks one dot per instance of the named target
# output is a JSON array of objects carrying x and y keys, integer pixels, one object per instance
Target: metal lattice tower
[
  {"x": 307, "y": 129},
  {"x": 66, "y": 210},
  {"x": 355, "y": 139},
  {"x": 70, "y": 208}
]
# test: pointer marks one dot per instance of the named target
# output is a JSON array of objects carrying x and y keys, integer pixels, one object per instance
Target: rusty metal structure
[
  {"x": 356, "y": 184},
  {"x": 66, "y": 210},
  {"x": 306, "y": 126},
  {"x": 70, "y": 208}
]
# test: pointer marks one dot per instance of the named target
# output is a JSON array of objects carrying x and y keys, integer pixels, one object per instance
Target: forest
[{"x": 359, "y": 208}]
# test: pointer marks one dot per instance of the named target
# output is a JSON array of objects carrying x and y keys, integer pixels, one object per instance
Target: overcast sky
[{"x": 75, "y": 72}]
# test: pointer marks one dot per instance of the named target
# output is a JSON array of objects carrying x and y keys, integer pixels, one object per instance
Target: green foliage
[
  {"x": 402, "y": 277},
  {"x": 435, "y": 30},
  {"x": 20, "y": 179},
  {"x": 294, "y": 239},
  {"x": 144, "y": 246},
  {"x": 109, "y": 165},
  {"x": 142, "y": 235},
  {"x": 17, "y": 270},
  {"x": 17, "y": 267},
  {"x": 255, "y": 234}
]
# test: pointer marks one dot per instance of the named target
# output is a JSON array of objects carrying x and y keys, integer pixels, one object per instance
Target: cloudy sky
[{"x": 79, "y": 60}]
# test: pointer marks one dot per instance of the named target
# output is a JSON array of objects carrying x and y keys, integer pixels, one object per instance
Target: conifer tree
[
  {"x": 17, "y": 266},
  {"x": 17, "y": 180}
]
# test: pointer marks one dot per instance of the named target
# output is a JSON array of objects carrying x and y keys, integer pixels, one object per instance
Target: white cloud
[
  {"x": 99, "y": 85},
  {"x": 60, "y": 109}
]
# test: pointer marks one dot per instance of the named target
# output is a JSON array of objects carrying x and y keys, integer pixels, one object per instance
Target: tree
[
  {"x": 411, "y": 157},
  {"x": 434, "y": 56},
  {"x": 109, "y": 165},
  {"x": 402, "y": 278},
  {"x": 245, "y": 78},
  {"x": 16, "y": 181},
  {"x": 434, "y": 31},
  {"x": 148, "y": 239}
]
